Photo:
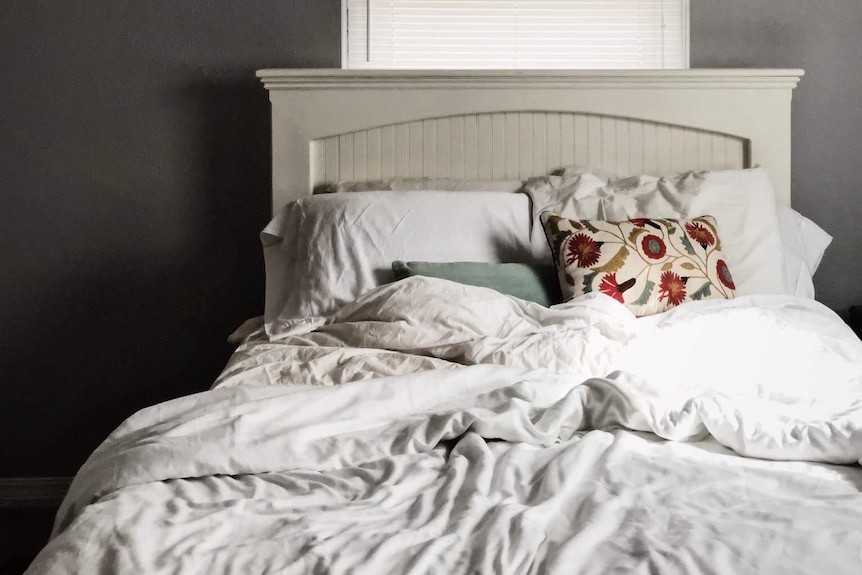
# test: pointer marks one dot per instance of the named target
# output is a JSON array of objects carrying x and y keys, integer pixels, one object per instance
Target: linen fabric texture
[
  {"x": 804, "y": 245},
  {"x": 325, "y": 251},
  {"x": 435, "y": 427}
]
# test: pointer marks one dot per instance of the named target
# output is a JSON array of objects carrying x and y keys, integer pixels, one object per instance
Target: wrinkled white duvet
[{"x": 431, "y": 427}]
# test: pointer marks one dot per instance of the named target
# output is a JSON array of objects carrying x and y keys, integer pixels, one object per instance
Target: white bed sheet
[{"x": 516, "y": 439}]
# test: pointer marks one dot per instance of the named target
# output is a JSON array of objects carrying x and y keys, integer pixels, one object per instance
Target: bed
[{"x": 708, "y": 424}]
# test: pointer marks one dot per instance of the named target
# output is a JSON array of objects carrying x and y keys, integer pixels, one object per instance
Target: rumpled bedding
[{"x": 431, "y": 427}]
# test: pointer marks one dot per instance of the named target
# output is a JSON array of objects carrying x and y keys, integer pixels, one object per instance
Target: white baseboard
[{"x": 23, "y": 492}]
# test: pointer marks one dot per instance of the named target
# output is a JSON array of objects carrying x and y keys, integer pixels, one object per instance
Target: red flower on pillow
[
  {"x": 584, "y": 250},
  {"x": 654, "y": 247},
  {"x": 671, "y": 288},
  {"x": 699, "y": 234},
  {"x": 639, "y": 222},
  {"x": 724, "y": 274},
  {"x": 609, "y": 286}
]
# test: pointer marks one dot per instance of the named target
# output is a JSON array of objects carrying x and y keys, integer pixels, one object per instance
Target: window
[{"x": 515, "y": 34}]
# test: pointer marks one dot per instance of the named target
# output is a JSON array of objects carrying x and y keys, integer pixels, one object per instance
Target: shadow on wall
[{"x": 126, "y": 333}]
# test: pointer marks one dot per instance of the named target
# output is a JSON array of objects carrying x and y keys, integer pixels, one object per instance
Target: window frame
[{"x": 686, "y": 40}]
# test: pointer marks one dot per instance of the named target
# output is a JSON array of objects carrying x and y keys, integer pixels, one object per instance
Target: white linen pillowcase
[
  {"x": 742, "y": 202},
  {"x": 804, "y": 245},
  {"x": 325, "y": 251}
]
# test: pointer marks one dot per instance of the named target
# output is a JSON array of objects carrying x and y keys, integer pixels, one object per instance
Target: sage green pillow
[{"x": 531, "y": 282}]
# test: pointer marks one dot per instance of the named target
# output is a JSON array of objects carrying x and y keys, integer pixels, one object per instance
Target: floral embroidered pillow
[{"x": 648, "y": 264}]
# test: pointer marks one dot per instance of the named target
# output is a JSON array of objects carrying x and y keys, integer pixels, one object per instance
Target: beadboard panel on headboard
[
  {"x": 330, "y": 125},
  {"x": 519, "y": 145}
]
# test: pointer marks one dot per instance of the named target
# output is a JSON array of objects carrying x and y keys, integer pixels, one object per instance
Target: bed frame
[{"x": 332, "y": 125}]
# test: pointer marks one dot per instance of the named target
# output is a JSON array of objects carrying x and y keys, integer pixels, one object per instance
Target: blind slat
[{"x": 517, "y": 34}]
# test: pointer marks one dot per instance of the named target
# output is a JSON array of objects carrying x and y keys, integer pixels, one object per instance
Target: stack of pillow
[
  {"x": 325, "y": 251},
  {"x": 650, "y": 243}
]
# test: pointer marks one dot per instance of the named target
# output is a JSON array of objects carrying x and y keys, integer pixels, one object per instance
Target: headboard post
[{"x": 492, "y": 124}]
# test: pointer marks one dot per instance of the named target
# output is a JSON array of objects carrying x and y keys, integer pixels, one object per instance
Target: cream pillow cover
[{"x": 648, "y": 264}]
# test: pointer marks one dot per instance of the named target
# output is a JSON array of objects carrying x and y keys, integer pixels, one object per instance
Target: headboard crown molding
[{"x": 332, "y": 78}]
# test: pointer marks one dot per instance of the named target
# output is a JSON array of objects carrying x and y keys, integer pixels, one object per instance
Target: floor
[{"x": 23, "y": 532}]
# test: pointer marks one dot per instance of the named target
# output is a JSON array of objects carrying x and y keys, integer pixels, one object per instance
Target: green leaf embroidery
[
  {"x": 633, "y": 236},
  {"x": 553, "y": 223},
  {"x": 615, "y": 263},
  {"x": 687, "y": 266},
  {"x": 559, "y": 242},
  {"x": 703, "y": 292},
  {"x": 590, "y": 226},
  {"x": 588, "y": 282},
  {"x": 644, "y": 298},
  {"x": 687, "y": 245},
  {"x": 669, "y": 224}
]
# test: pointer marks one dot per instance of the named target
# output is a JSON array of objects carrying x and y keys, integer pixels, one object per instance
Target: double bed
[{"x": 424, "y": 425}]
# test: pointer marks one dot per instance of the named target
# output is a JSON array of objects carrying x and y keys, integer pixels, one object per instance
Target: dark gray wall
[
  {"x": 134, "y": 172},
  {"x": 135, "y": 175},
  {"x": 824, "y": 37}
]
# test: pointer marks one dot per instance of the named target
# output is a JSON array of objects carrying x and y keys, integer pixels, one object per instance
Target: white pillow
[
  {"x": 742, "y": 202},
  {"x": 325, "y": 251},
  {"x": 804, "y": 245}
]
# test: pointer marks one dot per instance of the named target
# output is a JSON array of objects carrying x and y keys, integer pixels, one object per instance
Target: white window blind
[{"x": 516, "y": 34}]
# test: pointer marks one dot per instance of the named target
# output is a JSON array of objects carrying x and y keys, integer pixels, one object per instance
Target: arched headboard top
[{"x": 340, "y": 124}]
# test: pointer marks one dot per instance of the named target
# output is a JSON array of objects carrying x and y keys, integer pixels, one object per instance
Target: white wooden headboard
[{"x": 331, "y": 125}]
